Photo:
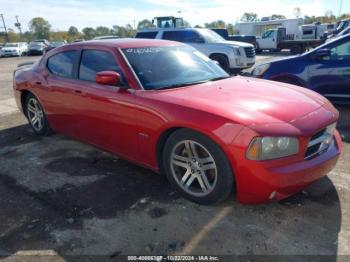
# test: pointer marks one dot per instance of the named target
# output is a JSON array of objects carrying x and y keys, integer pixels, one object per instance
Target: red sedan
[{"x": 167, "y": 107}]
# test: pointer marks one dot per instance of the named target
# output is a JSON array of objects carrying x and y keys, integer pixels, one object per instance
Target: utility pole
[
  {"x": 18, "y": 25},
  {"x": 341, "y": 7},
  {"x": 3, "y": 22}
]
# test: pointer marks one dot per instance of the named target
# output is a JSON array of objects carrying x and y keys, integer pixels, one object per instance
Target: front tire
[
  {"x": 223, "y": 62},
  {"x": 36, "y": 116},
  {"x": 197, "y": 167}
]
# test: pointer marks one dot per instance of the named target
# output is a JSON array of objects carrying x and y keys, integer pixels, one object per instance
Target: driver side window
[{"x": 341, "y": 52}]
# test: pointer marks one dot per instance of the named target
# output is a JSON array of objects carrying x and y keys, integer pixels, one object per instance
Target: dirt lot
[{"x": 64, "y": 200}]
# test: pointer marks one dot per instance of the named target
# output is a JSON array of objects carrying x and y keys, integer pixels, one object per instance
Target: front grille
[
  {"x": 320, "y": 142},
  {"x": 249, "y": 52}
]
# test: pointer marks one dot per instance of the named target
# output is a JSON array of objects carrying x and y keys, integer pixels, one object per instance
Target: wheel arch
[
  {"x": 223, "y": 145},
  {"x": 289, "y": 79},
  {"x": 24, "y": 95},
  {"x": 218, "y": 54}
]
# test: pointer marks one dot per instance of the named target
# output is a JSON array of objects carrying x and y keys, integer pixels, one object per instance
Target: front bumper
[
  {"x": 9, "y": 53},
  {"x": 241, "y": 62},
  {"x": 272, "y": 180},
  {"x": 35, "y": 52}
]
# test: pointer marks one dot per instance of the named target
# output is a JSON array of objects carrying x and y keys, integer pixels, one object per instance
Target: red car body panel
[{"x": 131, "y": 122}]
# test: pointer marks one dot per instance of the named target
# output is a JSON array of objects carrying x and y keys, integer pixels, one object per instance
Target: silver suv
[{"x": 232, "y": 56}]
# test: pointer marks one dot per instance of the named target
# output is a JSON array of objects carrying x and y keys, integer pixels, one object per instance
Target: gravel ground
[{"x": 64, "y": 200}]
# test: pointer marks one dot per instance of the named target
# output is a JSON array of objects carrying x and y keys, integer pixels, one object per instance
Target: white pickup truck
[
  {"x": 232, "y": 56},
  {"x": 276, "y": 40}
]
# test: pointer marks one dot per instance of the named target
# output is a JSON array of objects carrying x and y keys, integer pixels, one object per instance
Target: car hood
[
  {"x": 233, "y": 43},
  {"x": 245, "y": 100}
]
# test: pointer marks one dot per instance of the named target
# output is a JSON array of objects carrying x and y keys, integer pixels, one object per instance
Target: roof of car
[
  {"x": 152, "y": 29},
  {"x": 128, "y": 43}
]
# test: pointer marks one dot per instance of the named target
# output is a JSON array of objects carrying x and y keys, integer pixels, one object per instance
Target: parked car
[
  {"x": 166, "y": 106},
  {"x": 14, "y": 49},
  {"x": 106, "y": 37},
  {"x": 55, "y": 44},
  {"x": 344, "y": 32},
  {"x": 232, "y": 56},
  {"x": 325, "y": 70},
  {"x": 36, "y": 48},
  {"x": 250, "y": 39},
  {"x": 44, "y": 41}
]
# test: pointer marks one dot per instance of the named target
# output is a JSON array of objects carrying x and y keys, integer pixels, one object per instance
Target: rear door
[
  {"x": 330, "y": 76},
  {"x": 189, "y": 37},
  {"x": 60, "y": 91}
]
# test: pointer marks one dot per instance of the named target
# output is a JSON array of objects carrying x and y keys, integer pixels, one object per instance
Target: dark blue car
[{"x": 325, "y": 69}]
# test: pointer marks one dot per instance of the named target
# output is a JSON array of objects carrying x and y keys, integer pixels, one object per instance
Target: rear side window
[
  {"x": 94, "y": 61},
  {"x": 147, "y": 35},
  {"x": 62, "y": 63},
  {"x": 183, "y": 36}
]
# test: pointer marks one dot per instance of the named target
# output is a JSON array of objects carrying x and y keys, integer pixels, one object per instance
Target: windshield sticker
[{"x": 143, "y": 50}]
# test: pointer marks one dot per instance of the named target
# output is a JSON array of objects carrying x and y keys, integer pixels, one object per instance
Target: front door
[
  {"x": 108, "y": 112},
  {"x": 330, "y": 76}
]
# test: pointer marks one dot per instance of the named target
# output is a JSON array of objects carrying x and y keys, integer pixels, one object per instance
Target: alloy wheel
[
  {"x": 193, "y": 168},
  {"x": 35, "y": 114}
]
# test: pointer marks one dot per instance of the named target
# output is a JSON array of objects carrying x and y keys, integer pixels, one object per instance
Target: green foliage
[
  {"x": 145, "y": 23},
  {"x": 215, "y": 24},
  {"x": 40, "y": 28},
  {"x": 249, "y": 17},
  {"x": 89, "y": 33},
  {"x": 277, "y": 17}
]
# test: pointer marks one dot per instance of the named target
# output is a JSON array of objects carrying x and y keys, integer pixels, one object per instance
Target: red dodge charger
[{"x": 167, "y": 107}]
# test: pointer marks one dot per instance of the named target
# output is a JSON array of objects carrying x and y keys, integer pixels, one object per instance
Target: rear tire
[
  {"x": 197, "y": 167},
  {"x": 36, "y": 116}
]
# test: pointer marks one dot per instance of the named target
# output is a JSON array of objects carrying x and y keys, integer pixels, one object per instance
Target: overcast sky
[{"x": 63, "y": 13}]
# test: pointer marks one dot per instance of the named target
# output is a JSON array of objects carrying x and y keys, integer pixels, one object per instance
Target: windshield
[
  {"x": 36, "y": 44},
  {"x": 11, "y": 45},
  {"x": 172, "y": 66},
  {"x": 210, "y": 36},
  {"x": 342, "y": 25}
]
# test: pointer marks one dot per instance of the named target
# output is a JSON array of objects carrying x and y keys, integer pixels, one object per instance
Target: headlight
[
  {"x": 236, "y": 51},
  {"x": 264, "y": 148},
  {"x": 260, "y": 69}
]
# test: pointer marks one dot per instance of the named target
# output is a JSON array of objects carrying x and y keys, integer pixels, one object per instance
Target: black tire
[
  {"x": 224, "y": 180},
  {"x": 223, "y": 61},
  {"x": 43, "y": 129},
  {"x": 296, "y": 50}
]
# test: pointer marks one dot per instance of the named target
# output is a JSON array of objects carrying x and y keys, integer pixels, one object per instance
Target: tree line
[{"x": 39, "y": 28}]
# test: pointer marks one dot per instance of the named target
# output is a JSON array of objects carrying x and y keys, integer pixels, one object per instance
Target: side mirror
[
  {"x": 108, "y": 78},
  {"x": 322, "y": 53}
]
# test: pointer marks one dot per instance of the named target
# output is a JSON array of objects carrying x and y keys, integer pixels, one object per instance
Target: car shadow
[{"x": 307, "y": 223}]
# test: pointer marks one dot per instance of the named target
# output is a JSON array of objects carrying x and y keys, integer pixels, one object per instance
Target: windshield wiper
[
  {"x": 219, "y": 78},
  {"x": 182, "y": 84}
]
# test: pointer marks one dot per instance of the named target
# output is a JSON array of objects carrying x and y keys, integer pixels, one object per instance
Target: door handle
[
  {"x": 38, "y": 83},
  {"x": 78, "y": 92}
]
